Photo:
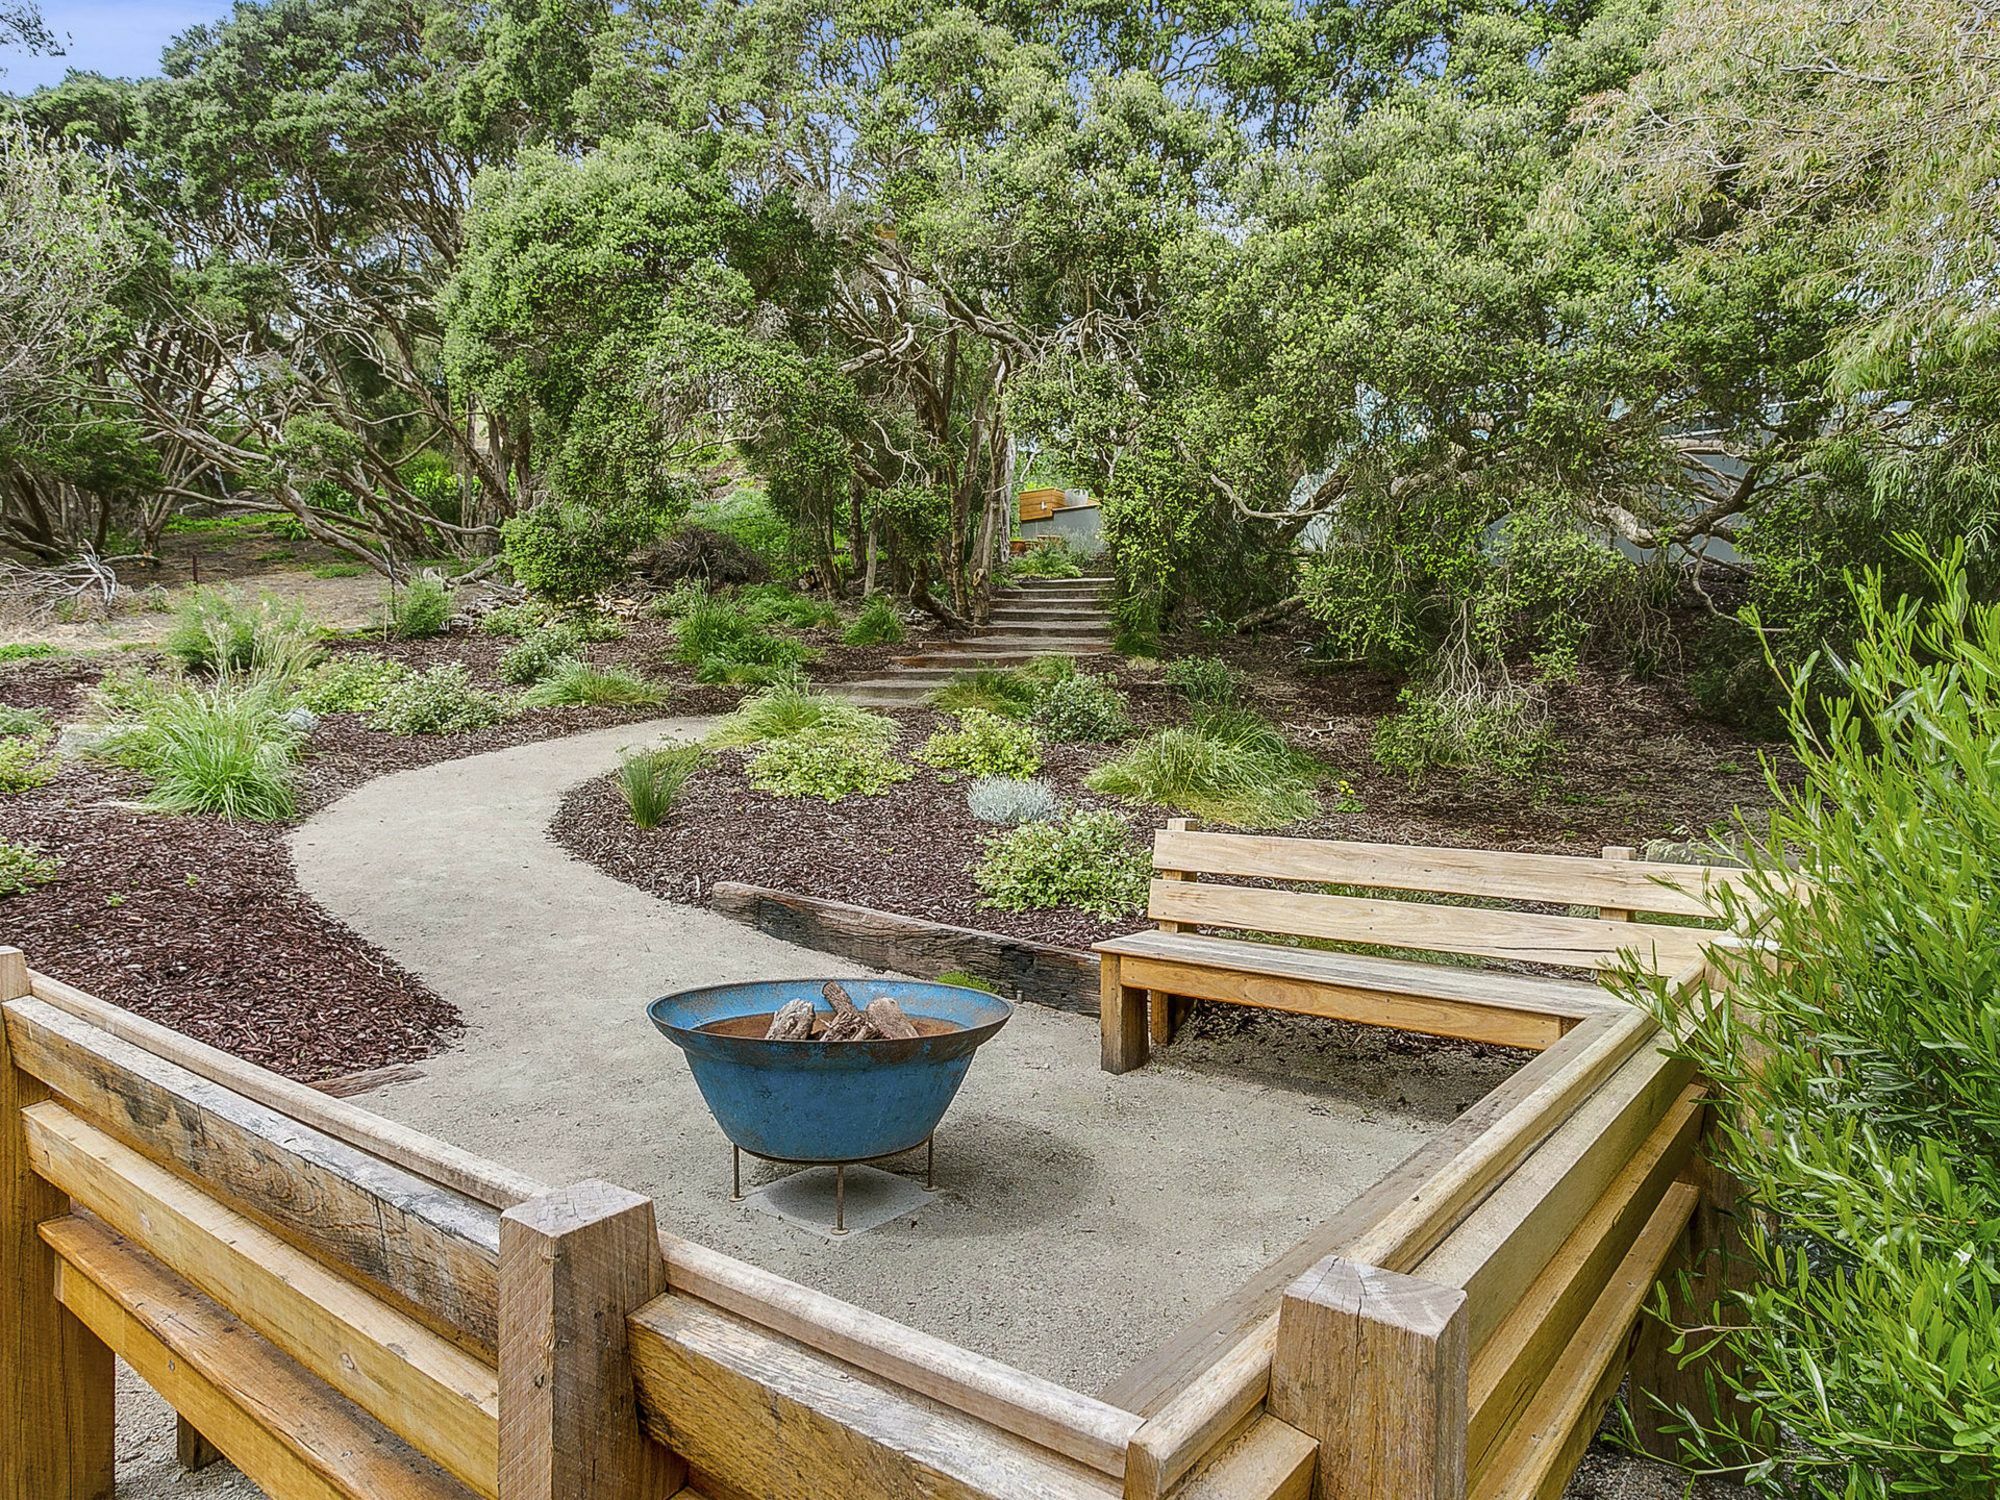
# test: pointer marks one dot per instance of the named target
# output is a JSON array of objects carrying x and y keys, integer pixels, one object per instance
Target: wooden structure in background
[{"x": 346, "y": 1308}]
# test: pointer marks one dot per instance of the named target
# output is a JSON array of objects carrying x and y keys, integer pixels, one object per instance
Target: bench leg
[
  {"x": 1165, "y": 1016},
  {"x": 1121, "y": 1018}
]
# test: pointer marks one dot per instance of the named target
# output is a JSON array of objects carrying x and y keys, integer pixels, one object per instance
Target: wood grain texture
[
  {"x": 1373, "y": 1364},
  {"x": 1574, "y": 999},
  {"x": 1542, "y": 1450},
  {"x": 290, "y": 1434},
  {"x": 759, "y": 1415},
  {"x": 1510, "y": 1366},
  {"x": 1064, "y": 978},
  {"x": 435, "y": 1395},
  {"x": 1523, "y": 937},
  {"x": 1267, "y": 1460},
  {"x": 1030, "y": 1406},
  {"x": 56, "y": 1376},
  {"x": 1494, "y": 1025},
  {"x": 1504, "y": 1243},
  {"x": 423, "y": 1155},
  {"x": 1123, "y": 1024},
  {"x": 1555, "y": 879},
  {"x": 434, "y": 1250},
  {"x": 574, "y": 1265}
]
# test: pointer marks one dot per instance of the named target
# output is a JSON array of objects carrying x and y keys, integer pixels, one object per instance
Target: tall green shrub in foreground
[{"x": 1859, "y": 1073}]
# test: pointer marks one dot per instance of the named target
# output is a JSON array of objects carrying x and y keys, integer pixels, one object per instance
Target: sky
[{"x": 121, "y": 38}]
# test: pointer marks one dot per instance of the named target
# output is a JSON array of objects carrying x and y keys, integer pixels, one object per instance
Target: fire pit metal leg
[
  {"x": 930, "y": 1163},
  {"x": 735, "y": 1173},
  {"x": 840, "y": 1198}
]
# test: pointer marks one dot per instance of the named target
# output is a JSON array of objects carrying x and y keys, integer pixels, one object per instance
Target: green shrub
[
  {"x": 829, "y": 767},
  {"x": 442, "y": 700},
  {"x": 23, "y": 867},
  {"x": 715, "y": 635},
  {"x": 574, "y": 683},
  {"x": 1855, "y": 1071},
  {"x": 27, "y": 723},
  {"x": 1207, "y": 680},
  {"x": 968, "y": 981},
  {"x": 28, "y": 651},
  {"x": 1055, "y": 558},
  {"x": 571, "y": 552},
  {"x": 1089, "y": 861},
  {"x": 774, "y": 604},
  {"x": 1008, "y": 802},
  {"x": 538, "y": 654},
  {"x": 217, "y": 630},
  {"x": 793, "y": 709},
  {"x": 223, "y": 747},
  {"x": 595, "y": 626},
  {"x": 1226, "y": 767},
  {"x": 985, "y": 744},
  {"x": 1482, "y": 729},
  {"x": 421, "y": 608},
  {"x": 993, "y": 690},
  {"x": 651, "y": 781},
  {"x": 1082, "y": 707},
  {"x": 516, "y": 619},
  {"x": 878, "y": 624},
  {"x": 352, "y": 683},
  {"x": 23, "y": 767}
]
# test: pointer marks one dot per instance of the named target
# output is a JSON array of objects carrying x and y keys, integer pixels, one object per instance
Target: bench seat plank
[
  {"x": 287, "y": 1431},
  {"x": 1508, "y": 1010}
]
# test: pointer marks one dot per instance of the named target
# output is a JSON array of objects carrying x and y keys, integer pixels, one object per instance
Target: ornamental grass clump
[
  {"x": 222, "y": 747},
  {"x": 723, "y": 644},
  {"x": 775, "y": 604},
  {"x": 575, "y": 683},
  {"x": 420, "y": 609},
  {"x": 1089, "y": 860},
  {"x": 218, "y": 630},
  {"x": 993, "y": 690},
  {"x": 1229, "y": 767},
  {"x": 1499, "y": 729},
  {"x": 1206, "y": 680},
  {"x": 878, "y": 624},
  {"x": 794, "y": 708},
  {"x": 651, "y": 780},
  {"x": 1855, "y": 1065}
]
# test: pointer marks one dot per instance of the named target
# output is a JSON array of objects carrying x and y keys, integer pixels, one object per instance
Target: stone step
[
  {"x": 1079, "y": 628},
  {"x": 1094, "y": 587},
  {"x": 993, "y": 655},
  {"x": 1049, "y": 612}
]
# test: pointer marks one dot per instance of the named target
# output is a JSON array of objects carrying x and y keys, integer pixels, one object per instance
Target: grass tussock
[
  {"x": 780, "y": 712},
  {"x": 574, "y": 683},
  {"x": 651, "y": 780},
  {"x": 1228, "y": 767}
]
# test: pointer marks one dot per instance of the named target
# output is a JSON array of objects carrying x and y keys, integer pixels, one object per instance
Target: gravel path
[{"x": 1081, "y": 1219}]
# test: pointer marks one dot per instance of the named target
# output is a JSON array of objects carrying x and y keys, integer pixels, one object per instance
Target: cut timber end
[{"x": 1374, "y": 1365}]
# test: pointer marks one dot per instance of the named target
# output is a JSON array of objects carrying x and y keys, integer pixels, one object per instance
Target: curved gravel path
[{"x": 1080, "y": 1218}]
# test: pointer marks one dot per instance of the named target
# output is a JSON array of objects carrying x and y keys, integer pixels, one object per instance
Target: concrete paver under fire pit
[{"x": 1080, "y": 1218}]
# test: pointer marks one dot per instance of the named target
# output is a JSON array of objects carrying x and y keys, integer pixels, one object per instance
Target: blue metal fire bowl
[{"x": 828, "y": 1102}]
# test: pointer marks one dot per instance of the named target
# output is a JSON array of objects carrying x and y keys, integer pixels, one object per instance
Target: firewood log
[
  {"x": 793, "y": 1022},
  {"x": 850, "y": 1025},
  {"x": 887, "y": 1017},
  {"x": 837, "y": 996}
]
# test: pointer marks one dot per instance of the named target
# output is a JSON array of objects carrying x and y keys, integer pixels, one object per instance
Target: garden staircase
[{"x": 1035, "y": 617}]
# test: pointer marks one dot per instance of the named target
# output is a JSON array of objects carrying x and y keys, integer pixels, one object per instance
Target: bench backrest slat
[
  {"x": 1526, "y": 937},
  {"x": 1562, "y": 879}
]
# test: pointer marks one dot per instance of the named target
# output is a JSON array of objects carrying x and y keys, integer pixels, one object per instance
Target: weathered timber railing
[{"x": 345, "y": 1307}]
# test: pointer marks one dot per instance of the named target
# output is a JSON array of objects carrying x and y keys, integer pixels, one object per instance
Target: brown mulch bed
[
  {"x": 200, "y": 924},
  {"x": 1635, "y": 765}
]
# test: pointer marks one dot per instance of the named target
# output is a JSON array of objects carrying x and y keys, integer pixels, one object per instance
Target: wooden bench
[{"x": 1199, "y": 949}]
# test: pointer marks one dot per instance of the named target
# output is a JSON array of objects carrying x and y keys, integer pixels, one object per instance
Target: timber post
[
  {"x": 56, "y": 1377},
  {"x": 574, "y": 1265},
  {"x": 1375, "y": 1366}
]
